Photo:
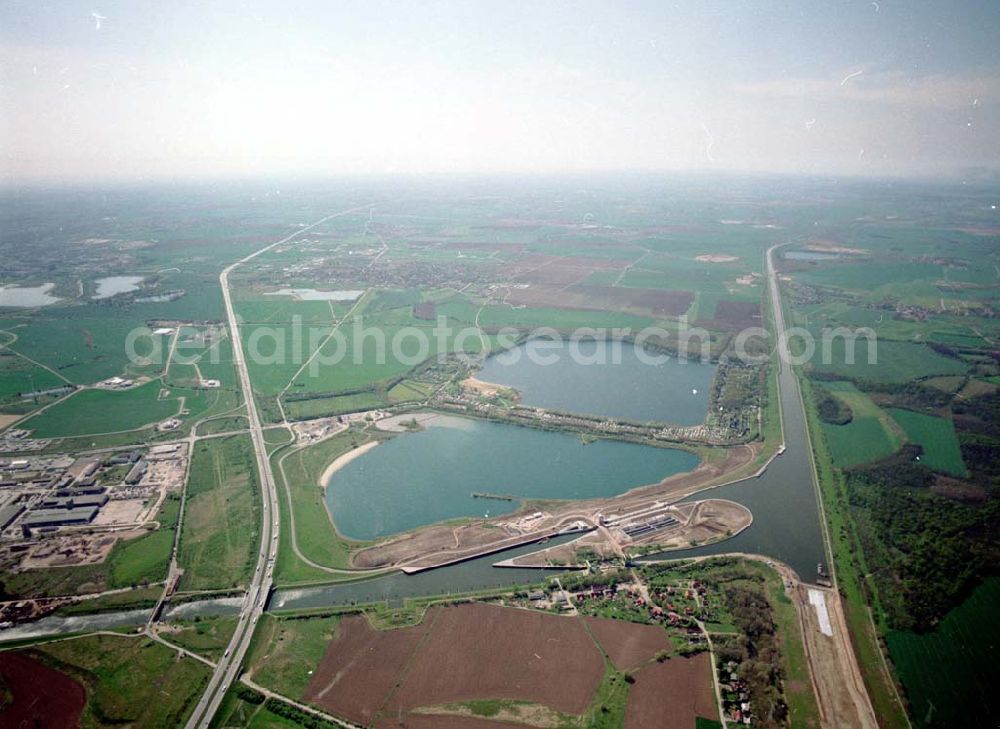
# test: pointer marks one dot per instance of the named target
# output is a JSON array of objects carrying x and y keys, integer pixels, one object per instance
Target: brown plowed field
[
  {"x": 734, "y": 315},
  {"x": 671, "y": 694},
  {"x": 470, "y": 652},
  {"x": 628, "y": 644},
  {"x": 42, "y": 696},
  {"x": 658, "y": 302},
  {"x": 482, "y": 651},
  {"x": 441, "y": 721},
  {"x": 361, "y": 666}
]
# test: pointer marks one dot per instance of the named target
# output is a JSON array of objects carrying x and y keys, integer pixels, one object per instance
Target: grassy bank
[
  {"x": 298, "y": 473},
  {"x": 849, "y": 562}
]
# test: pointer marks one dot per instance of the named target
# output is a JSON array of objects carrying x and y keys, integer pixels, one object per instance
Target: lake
[
  {"x": 605, "y": 378},
  {"x": 113, "y": 285},
  {"x": 26, "y": 296},
  {"x": 424, "y": 477}
]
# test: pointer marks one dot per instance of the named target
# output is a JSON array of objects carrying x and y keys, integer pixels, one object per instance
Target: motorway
[{"x": 230, "y": 665}]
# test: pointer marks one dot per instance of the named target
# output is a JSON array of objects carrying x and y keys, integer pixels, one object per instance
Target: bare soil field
[
  {"x": 41, "y": 695},
  {"x": 628, "y": 645},
  {"x": 443, "y": 721},
  {"x": 120, "y": 511},
  {"x": 707, "y": 521},
  {"x": 361, "y": 667},
  {"x": 657, "y": 302},
  {"x": 562, "y": 271},
  {"x": 7, "y": 420},
  {"x": 733, "y": 315},
  {"x": 504, "y": 653},
  {"x": 75, "y": 549},
  {"x": 670, "y": 695},
  {"x": 457, "y": 654},
  {"x": 431, "y": 545}
]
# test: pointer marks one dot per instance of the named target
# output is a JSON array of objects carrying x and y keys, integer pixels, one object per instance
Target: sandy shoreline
[
  {"x": 481, "y": 386},
  {"x": 343, "y": 460}
]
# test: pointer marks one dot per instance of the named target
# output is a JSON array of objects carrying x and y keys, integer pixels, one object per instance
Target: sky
[{"x": 135, "y": 90}]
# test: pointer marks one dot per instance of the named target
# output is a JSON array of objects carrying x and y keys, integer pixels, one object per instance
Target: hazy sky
[{"x": 107, "y": 89}]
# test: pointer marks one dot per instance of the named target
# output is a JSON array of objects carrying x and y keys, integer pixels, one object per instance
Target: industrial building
[
  {"x": 75, "y": 500},
  {"x": 59, "y": 517},
  {"x": 136, "y": 474},
  {"x": 8, "y": 513}
]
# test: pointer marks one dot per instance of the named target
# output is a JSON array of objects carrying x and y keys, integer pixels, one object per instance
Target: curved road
[{"x": 229, "y": 667}]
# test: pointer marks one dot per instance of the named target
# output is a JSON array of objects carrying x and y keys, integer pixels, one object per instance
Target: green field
[
  {"x": 104, "y": 411},
  {"x": 936, "y": 436},
  {"x": 322, "y": 407},
  {"x": 221, "y": 519},
  {"x": 285, "y": 651},
  {"x": 894, "y": 361},
  {"x": 950, "y": 679},
  {"x": 18, "y": 375},
  {"x": 142, "y": 560},
  {"x": 870, "y": 435},
  {"x": 130, "y": 681},
  {"x": 83, "y": 344},
  {"x": 207, "y": 637}
]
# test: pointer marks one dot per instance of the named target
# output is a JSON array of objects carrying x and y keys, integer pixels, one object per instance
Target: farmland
[
  {"x": 129, "y": 680},
  {"x": 910, "y": 537},
  {"x": 946, "y": 674},
  {"x": 661, "y": 688},
  {"x": 893, "y": 361},
  {"x": 937, "y": 438},
  {"x": 909, "y": 526},
  {"x": 36, "y": 695},
  {"x": 870, "y": 434},
  {"x": 506, "y": 673}
]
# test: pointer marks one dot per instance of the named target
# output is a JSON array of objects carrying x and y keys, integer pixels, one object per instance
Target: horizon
[{"x": 117, "y": 92}]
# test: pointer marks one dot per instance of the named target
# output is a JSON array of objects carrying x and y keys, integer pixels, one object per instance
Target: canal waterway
[{"x": 474, "y": 574}]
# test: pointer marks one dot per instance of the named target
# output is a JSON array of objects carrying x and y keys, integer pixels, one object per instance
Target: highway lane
[{"x": 229, "y": 666}]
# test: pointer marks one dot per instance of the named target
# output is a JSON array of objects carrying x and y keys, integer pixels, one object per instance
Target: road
[{"x": 228, "y": 668}]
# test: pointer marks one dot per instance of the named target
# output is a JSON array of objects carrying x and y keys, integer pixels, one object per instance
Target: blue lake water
[
  {"x": 113, "y": 285},
  {"x": 27, "y": 296},
  {"x": 424, "y": 477},
  {"x": 607, "y": 378}
]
